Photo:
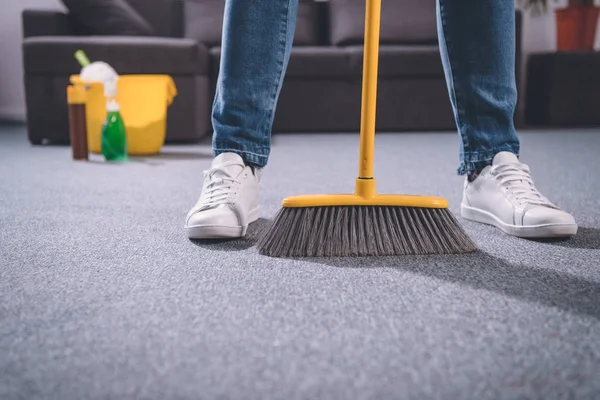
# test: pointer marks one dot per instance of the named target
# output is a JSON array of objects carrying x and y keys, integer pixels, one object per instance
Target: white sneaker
[
  {"x": 229, "y": 202},
  {"x": 504, "y": 195}
]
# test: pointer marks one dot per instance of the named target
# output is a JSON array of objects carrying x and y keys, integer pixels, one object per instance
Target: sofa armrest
[
  {"x": 45, "y": 23},
  {"x": 54, "y": 55}
]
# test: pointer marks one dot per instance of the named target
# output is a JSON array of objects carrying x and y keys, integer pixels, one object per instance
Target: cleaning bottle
[
  {"x": 77, "y": 122},
  {"x": 114, "y": 135}
]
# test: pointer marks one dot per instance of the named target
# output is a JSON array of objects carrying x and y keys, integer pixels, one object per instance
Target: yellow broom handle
[{"x": 369, "y": 88}]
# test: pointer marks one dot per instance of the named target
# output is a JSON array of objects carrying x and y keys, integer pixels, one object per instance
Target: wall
[
  {"x": 538, "y": 35},
  {"x": 12, "y": 100}
]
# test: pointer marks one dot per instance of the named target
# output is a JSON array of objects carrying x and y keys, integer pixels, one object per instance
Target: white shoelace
[
  {"x": 516, "y": 178},
  {"x": 219, "y": 190}
]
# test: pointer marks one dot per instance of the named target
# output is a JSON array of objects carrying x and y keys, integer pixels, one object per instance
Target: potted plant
[{"x": 576, "y": 23}]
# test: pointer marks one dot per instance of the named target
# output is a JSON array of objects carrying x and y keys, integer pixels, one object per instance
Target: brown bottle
[{"x": 77, "y": 122}]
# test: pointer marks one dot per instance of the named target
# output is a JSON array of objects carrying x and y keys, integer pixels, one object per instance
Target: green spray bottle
[{"x": 114, "y": 136}]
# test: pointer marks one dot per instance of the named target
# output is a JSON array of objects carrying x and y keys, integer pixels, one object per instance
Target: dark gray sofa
[{"x": 322, "y": 91}]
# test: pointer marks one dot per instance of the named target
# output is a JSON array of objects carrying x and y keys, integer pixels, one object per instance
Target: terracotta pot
[{"x": 576, "y": 28}]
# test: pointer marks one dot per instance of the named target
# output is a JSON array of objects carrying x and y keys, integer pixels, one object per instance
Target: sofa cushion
[
  {"x": 309, "y": 61},
  {"x": 401, "y": 60},
  {"x": 107, "y": 17},
  {"x": 53, "y": 55},
  {"x": 204, "y": 22},
  {"x": 340, "y": 62},
  {"x": 402, "y": 22},
  {"x": 45, "y": 23},
  {"x": 165, "y": 16}
]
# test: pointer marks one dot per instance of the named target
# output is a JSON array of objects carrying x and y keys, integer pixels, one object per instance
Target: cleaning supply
[
  {"x": 98, "y": 71},
  {"x": 77, "y": 122},
  {"x": 365, "y": 223},
  {"x": 114, "y": 136},
  {"x": 143, "y": 104}
]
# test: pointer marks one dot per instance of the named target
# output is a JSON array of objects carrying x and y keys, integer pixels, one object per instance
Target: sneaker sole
[
  {"x": 530, "y": 232},
  {"x": 221, "y": 231}
]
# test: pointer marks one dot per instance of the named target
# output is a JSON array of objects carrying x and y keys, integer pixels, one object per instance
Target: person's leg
[
  {"x": 256, "y": 47},
  {"x": 477, "y": 45}
]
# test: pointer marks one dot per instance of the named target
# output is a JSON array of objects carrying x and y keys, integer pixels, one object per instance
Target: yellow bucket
[{"x": 144, "y": 100}]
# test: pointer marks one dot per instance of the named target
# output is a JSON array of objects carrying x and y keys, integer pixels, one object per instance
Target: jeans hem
[
  {"x": 477, "y": 160},
  {"x": 255, "y": 159}
]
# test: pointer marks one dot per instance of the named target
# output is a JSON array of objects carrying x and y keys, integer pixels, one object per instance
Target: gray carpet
[{"x": 103, "y": 297}]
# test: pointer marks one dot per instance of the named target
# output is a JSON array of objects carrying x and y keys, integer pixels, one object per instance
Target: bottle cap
[{"x": 112, "y": 106}]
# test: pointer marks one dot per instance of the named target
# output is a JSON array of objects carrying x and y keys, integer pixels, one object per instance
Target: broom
[{"x": 364, "y": 223}]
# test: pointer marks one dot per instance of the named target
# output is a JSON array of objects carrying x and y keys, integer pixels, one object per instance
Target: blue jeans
[{"x": 477, "y": 46}]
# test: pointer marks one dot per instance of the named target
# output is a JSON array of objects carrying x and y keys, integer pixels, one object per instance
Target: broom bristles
[{"x": 343, "y": 231}]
